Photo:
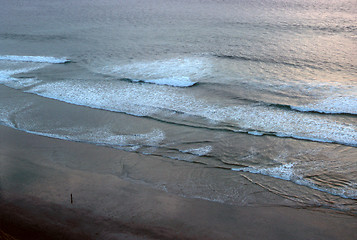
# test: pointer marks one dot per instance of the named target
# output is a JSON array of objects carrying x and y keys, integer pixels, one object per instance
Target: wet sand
[{"x": 122, "y": 195}]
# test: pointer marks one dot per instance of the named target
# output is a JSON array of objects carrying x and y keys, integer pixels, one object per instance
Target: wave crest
[
  {"x": 176, "y": 72},
  {"x": 174, "y": 81}
]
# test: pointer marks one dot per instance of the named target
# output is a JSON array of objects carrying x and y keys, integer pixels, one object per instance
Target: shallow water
[{"x": 267, "y": 87}]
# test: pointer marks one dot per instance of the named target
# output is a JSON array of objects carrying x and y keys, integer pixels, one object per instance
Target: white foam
[
  {"x": 284, "y": 171},
  {"x": 149, "y": 100},
  {"x": 336, "y": 105},
  {"x": 152, "y": 138},
  {"x": 105, "y": 136},
  {"x": 8, "y": 110},
  {"x": 200, "y": 151},
  {"x": 256, "y": 133},
  {"x": 6, "y": 74},
  {"x": 121, "y": 97},
  {"x": 178, "y": 72},
  {"x": 12, "y": 65},
  {"x": 36, "y": 59},
  {"x": 18, "y": 83},
  {"x": 285, "y": 124}
]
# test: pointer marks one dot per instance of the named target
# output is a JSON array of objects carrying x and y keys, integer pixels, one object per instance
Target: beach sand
[{"x": 125, "y": 195}]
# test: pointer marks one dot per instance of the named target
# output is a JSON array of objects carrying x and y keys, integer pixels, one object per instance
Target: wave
[
  {"x": 268, "y": 60},
  {"x": 344, "y": 103},
  {"x": 35, "y": 59},
  {"x": 33, "y": 37},
  {"x": 331, "y": 105},
  {"x": 176, "y": 72},
  {"x": 345, "y": 28},
  {"x": 340, "y": 105},
  {"x": 174, "y": 82},
  {"x": 296, "y": 63}
]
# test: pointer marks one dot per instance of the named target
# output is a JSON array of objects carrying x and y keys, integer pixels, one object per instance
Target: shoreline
[{"x": 123, "y": 195}]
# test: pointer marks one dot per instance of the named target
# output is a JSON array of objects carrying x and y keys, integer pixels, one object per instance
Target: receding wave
[
  {"x": 35, "y": 59},
  {"x": 288, "y": 172}
]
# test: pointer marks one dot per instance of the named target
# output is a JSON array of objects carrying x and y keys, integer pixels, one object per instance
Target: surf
[{"x": 161, "y": 102}]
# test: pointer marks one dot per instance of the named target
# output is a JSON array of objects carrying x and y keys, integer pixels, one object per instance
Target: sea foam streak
[{"x": 35, "y": 59}]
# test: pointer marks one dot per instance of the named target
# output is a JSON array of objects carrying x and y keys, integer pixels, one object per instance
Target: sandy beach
[{"x": 130, "y": 201}]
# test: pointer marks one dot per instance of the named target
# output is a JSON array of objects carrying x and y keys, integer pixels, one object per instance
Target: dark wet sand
[{"x": 121, "y": 195}]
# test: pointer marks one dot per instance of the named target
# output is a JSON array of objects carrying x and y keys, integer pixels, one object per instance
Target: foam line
[{"x": 36, "y": 59}]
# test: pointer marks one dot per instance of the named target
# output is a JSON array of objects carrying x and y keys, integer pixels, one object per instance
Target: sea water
[{"x": 267, "y": 87}]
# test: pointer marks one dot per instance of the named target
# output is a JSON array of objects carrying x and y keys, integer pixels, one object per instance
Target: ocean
[{"x": 267, "y": 87}]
